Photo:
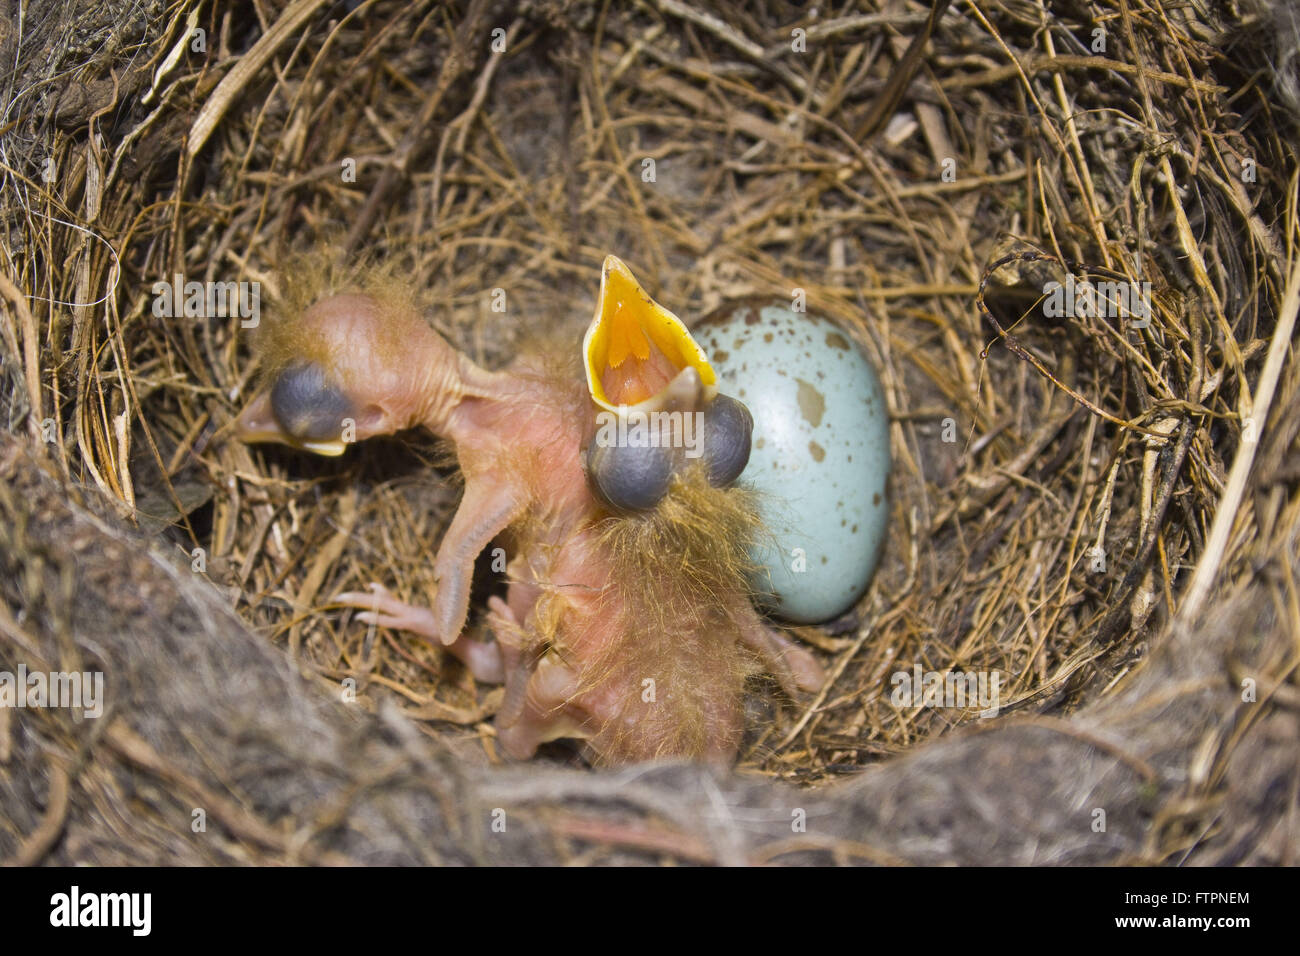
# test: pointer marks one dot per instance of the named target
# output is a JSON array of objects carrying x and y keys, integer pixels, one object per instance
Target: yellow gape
[{"x": 635, "y": 347}]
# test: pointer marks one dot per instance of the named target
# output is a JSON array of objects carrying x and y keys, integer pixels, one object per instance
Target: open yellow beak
[{"x": 634, "y": 347}]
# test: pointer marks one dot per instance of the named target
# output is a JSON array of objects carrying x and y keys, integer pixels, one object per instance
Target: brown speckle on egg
[
  {"x": 833, "y": 385},
  {"x": 812, "y": 403}
]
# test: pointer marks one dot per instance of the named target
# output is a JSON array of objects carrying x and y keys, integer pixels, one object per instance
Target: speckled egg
[{"x": 820, "y": 452}]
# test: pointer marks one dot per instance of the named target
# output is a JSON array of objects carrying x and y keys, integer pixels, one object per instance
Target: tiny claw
[
  {"x": 382, "y": 609},
  {"x": 809, "y": 675}
]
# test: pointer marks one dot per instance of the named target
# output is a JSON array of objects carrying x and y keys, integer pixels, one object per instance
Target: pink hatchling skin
[{"x": 576, "y": 658}]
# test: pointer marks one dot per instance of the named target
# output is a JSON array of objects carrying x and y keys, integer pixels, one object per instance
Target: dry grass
[{"x": 1016, "y": 455}]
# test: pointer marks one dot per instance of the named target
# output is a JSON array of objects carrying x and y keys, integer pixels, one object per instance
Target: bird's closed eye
[
  {"x": 307, "y": 406},
  {"x": 628, "y": 477},
  {"x": 728, "y": 430},
  {"x": 634, "y": 477}
]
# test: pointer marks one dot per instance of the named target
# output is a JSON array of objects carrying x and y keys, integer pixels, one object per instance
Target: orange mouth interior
[{"x": 634, "y": 346}]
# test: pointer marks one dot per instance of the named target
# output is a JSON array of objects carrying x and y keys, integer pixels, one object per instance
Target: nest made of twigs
[{"x": 1055, "y": 479}]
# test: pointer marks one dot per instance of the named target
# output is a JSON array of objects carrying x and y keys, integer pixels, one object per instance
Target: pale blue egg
[{"x": 820, "y": 453}]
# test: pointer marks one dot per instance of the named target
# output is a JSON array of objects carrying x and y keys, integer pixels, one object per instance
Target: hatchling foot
[{"x": 382, "y": 608}]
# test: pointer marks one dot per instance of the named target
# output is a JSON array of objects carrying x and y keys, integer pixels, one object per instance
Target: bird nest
[{"x": 1074, "y": 491}]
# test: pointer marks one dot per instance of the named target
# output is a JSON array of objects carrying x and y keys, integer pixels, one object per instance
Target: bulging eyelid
[
  {"x": 728, "y": 434},
  {"x": 306, "y": 405},
  {"x": 635, "y": 478},
  {"x": 630, "y": 478}
]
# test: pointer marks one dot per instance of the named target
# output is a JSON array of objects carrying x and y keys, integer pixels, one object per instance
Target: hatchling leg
[
  {"x": 381, "y": 607},
  {"x": 793, "y": 666}
]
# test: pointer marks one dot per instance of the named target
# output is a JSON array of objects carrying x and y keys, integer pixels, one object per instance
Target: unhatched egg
[{"x": 820, "y": 452}]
